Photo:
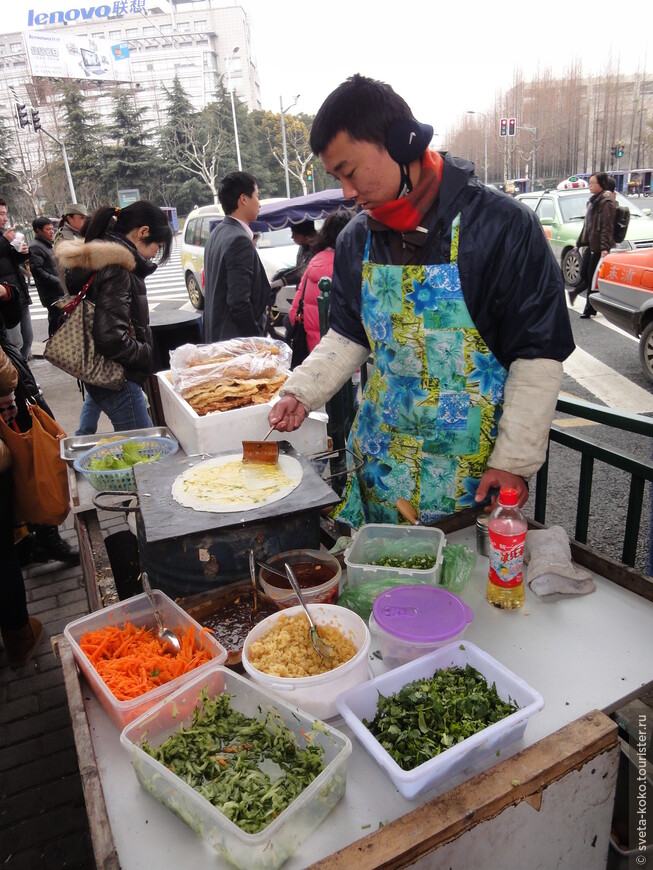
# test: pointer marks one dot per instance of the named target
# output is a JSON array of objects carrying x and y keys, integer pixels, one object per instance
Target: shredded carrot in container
[{"x": 131, "y": 660}]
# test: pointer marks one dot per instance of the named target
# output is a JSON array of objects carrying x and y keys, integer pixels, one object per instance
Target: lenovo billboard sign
[{"x": 84, "y": 13}]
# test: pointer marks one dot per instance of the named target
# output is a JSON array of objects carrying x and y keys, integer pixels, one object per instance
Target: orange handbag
[{"x": 40, "y": 476}]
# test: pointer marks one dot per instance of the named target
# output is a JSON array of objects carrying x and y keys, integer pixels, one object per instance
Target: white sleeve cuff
[
  {"x": 530, "y": 397},
  {"x": 325, "y": 370}
]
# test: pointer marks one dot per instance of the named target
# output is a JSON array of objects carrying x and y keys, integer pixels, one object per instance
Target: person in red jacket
[{"x": 320, "y": 266}]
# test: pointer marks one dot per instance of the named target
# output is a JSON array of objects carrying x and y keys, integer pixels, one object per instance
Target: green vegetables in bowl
[
  {"x": 131, "y": 455},
  {"x": 430, "y": 715}
]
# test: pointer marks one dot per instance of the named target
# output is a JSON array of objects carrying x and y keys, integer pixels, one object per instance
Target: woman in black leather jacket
[{"x": 118, "y": 250}]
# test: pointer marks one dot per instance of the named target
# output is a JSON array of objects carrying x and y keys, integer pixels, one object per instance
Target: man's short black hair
[
  {"x": 40, "y": 223},
  {"x": 232, "y": 186},
  {"x": 305, "y": 228},
  {"x": 362, "y": 107}
]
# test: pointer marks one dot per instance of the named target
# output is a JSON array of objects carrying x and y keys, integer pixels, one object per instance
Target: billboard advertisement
[{"x": 56, "y": 55}]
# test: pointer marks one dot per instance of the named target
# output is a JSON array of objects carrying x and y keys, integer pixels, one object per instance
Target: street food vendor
[{"x": 453, "y": 289}]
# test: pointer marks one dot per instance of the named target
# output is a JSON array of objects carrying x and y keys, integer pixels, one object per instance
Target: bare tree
[
  {"x": 197, "y": 147},
  {"x": 298, "y": 146}
]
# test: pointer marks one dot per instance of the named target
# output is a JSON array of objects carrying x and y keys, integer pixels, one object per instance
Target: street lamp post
[
  {"x": 484, "y": 116},
  {"x": 283, "y": 139},
  {"x": 233, "y": 105}
]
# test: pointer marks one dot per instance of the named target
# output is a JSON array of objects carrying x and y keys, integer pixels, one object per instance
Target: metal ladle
[
  {"x": 320, "y": 646},
  {"x": 168, "y": 638}
]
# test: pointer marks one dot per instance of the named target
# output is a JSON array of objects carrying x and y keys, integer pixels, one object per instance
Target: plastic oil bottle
[{"x": 507, "y": 531}]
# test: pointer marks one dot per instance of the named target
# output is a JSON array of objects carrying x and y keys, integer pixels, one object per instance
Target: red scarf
[{"x": 405, "y": 214}]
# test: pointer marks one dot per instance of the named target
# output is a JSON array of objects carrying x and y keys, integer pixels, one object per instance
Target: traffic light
[
  {"x": 614, "y": 150},
  {"x": 309, "y": 172},
  {"x": 21, "y": 112},
  {"x": 512, "y": 126},
  {"x": 503, "y": 127},
  {"x": 620, "y": 150},
  {"x": 36, "y": 120}
]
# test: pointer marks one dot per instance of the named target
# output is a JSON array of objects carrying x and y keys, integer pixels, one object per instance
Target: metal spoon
[
  {"x": 168, "y": 638},
  {"x": 320, "y": 646},
  {"x": 252, "y": 574}
]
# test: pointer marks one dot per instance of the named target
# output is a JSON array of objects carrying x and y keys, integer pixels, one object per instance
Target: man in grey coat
[
  {"x": 44, "y": 270},
  {"x": 237, "y": 290}
]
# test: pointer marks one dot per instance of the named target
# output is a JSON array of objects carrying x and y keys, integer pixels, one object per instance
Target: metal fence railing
[{"x": 591, "y": 450}]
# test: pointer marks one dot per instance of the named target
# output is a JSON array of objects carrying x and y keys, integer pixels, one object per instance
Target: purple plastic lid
[{"x": 423, "y": 614}]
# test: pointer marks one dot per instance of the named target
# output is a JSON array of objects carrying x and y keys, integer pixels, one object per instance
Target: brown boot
[{"x": 21, "y": 643}]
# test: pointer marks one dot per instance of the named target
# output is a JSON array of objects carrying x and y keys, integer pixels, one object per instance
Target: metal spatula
[{"x": 263, "y": 451}]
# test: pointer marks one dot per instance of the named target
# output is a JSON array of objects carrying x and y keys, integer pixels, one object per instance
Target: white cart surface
[{"x": 582, "y": 654}]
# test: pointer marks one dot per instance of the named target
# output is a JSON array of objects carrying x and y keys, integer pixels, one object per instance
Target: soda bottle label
[{"x": 506, "y": 559}]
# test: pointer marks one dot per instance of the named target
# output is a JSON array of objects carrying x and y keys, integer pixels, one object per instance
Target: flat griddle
[{"x": 165, "y": 518}]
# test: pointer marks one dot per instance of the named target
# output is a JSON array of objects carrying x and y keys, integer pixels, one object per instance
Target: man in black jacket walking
[{"x": 44, "y": 270}]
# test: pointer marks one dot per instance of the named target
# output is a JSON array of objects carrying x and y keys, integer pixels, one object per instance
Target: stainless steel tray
[{"x": 74, "y": 445}]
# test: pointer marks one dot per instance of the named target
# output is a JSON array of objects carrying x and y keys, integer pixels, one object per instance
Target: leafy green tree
[
  {"x": 177, "y": 185},
  {"x": 131, "y": 162},
  {"x": 82, "y": 135}
]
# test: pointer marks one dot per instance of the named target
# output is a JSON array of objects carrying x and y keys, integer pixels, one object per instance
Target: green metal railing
[{"x": 592, "y": 450}]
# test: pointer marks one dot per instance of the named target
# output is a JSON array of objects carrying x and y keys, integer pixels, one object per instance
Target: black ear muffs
[{"x": 405, "y": 142}]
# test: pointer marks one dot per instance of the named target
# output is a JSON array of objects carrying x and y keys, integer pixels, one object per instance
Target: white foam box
[{"x": 226, "y": 430}]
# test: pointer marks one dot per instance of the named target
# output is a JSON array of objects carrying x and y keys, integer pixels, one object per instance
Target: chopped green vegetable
[
  {"x": 422, "y": 563},
  {"x": 515, "y": 782},
  {"x": 222, "y": 755},
  {"x": 131, "y": 455},
  {"x": 429, "y": 715}
]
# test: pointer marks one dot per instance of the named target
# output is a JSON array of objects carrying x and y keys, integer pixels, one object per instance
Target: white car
[
  {"x": 275, "y": 247},
  {"x": 572, "y": 183}
]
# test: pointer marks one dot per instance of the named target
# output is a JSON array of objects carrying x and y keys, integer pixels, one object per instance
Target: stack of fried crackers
[
  {"x": 230, "y": 393},
  {"x": 235, "y": 380}
]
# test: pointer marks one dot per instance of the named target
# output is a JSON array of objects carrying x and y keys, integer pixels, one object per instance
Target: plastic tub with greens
[
  {"x": 408, "y": 553},
  {"x": 241, "y": 766},
  {"x": 446, "y": 708}
]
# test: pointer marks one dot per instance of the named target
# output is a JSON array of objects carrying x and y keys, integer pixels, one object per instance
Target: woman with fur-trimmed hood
[{"x": 118, "y": 250}]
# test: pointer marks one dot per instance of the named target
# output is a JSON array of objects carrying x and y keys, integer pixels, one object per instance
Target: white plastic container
[
  {"x": 409, "y": 621},
  {"x": 361, "y": 703},
  {"x": 317, "y": 695},
  {"x": 138, "y": 611},
  {"x": 226, "y": 430},
  {"x": 377, "y": 540},
  {"x": 280, "y": 839}
]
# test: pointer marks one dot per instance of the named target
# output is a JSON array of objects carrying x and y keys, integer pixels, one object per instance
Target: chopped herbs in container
[
  {"x": 430, "y": 715},
  {"x": 250, "y": 769}
]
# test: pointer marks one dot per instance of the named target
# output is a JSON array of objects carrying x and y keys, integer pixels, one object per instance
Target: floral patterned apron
[{"x": 428, "y": 418}]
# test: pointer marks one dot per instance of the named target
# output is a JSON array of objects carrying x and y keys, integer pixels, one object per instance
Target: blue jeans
[
  {"x": 125, "y": 407},
  {"x": 89, "y": 417},
  {"x": 22, "y": 335}
]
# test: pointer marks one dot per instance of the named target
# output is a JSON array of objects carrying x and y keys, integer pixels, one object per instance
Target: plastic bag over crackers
[{"x": 192, "y": 364}]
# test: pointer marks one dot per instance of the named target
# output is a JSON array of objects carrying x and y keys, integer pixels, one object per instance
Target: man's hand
[
  {"x": 287, "y": 415},
  {"x": 5, "y": 292},
  {"x": 10, "y": 234},
  {"x": 495, "y": 477}
]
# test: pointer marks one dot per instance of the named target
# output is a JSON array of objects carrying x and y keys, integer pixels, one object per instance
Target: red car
[{"x": 625, "y": 297}]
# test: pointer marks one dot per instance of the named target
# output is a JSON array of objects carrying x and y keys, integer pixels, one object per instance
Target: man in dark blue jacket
[
  {"x": 44, "y": 270},
  {"x": 452, "y": 288},
  {"x": 237, "y": 290}
]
